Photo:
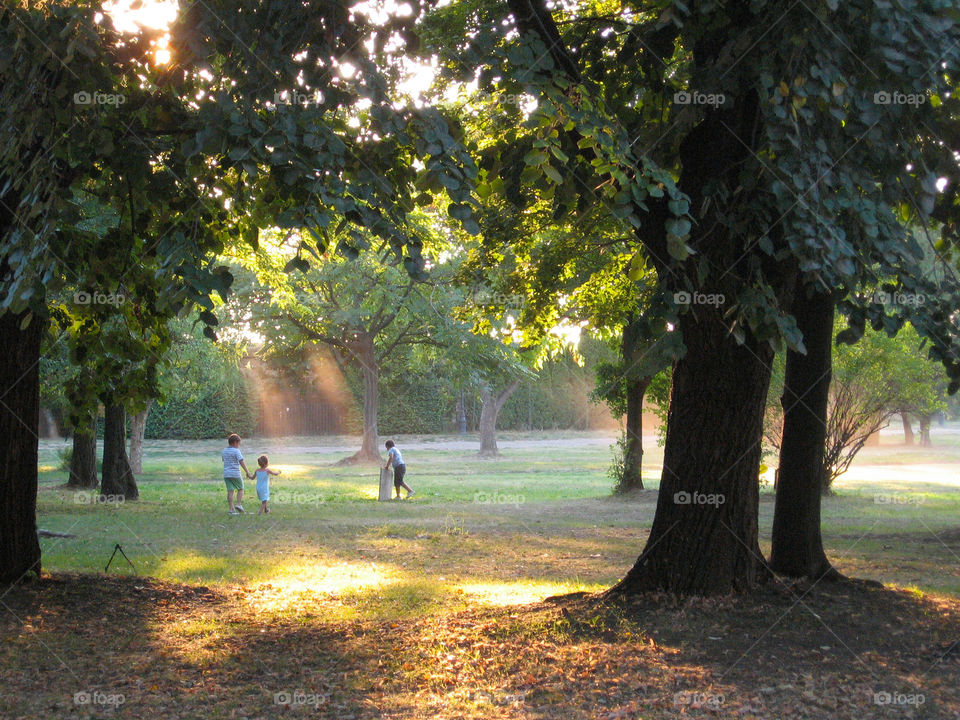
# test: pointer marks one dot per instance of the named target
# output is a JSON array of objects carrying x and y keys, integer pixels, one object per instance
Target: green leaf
[{"x": 552, "y": 173}]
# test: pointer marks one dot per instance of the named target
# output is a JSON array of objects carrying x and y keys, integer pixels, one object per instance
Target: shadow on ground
[{"x": 79, "y": 646}]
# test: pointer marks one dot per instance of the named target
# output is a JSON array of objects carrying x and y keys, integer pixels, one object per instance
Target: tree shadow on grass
[
  {"x": 838, "y": 650},
  {"x": 104, "y": 646}
]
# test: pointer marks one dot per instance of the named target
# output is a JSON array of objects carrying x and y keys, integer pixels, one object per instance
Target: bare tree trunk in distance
[
  {"x": 489, "y": 411},
  {"x": 138, "y": 428},
  {"x": 797, "y": 547},
  {"x": 118, "y": 480},
  {"x": 19, "y": 419},
  {"x": 925, "y": 431},
  {"x": 369, "y": 451},
  {"x": 632, "y": 478},
  {"x": 83, "y": 462},
  {"x": 907, "y": 428}
]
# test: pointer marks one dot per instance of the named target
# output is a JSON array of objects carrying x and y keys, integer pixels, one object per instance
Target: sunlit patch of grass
[
  {"x": 192, "y": 566},
  {"x": 401, "y": 600},
  {"x": 521, "y": 592}
]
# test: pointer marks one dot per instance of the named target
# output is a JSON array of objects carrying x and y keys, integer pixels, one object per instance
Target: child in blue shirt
[
  {"x": 263, "y": 482},
  {"x": 232, "y": 462}
]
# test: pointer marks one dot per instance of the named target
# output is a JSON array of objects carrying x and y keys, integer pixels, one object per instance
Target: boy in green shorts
[{"x": 232, "y": 462}]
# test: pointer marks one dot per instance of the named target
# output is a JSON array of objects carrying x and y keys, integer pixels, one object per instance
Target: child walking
[
  {"x": 263, "y": 482},
  {"x": 399, "y": 468},
  {"x": 232, "y": 462}
]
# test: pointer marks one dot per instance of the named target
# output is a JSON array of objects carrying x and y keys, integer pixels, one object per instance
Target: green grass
[{"x": 538, "y": 521}]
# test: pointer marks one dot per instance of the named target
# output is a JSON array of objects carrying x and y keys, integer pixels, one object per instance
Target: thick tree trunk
[
  {"x": 118, "y": 480},
  {"x": 83, "y": 464},
  {"x": 489, "y": 411},
  {"x": 138, "y": 427},
  {"x": 907, "y": 429},
  {"x": 19, "y": 418},
  {"x": 369, "y": 452},
  {"x": 797, "y": 548},
  {"x": 704, "y": 536}
]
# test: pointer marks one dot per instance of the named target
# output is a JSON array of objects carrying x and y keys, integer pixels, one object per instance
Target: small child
[
  {"x": 263, "y": 483},
  {"x": 399, "y": 468},
  {"x": 232, "y": 462}
]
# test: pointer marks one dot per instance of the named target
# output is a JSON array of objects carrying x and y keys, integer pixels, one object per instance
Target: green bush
[{"x": 213, "y": 413}]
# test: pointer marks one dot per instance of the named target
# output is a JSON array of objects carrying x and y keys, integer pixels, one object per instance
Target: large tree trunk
[
  {"x": 907, "y": 429},
  {"x": 83, "y": 463},
  {"x": 925, "y": 431},
  {"x": 19, "y": 418},
  {"x": 704, "y": 537},
  {"x": 118, "y": 481},
  {"x": 138, "y": 427},
  {"x": 797, "y": 548},
  {"x": 366, "y": 355},
  {"x": 489, "y": 411}
]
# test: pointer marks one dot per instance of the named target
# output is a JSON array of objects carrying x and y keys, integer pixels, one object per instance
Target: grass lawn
[{"x": 336, "y": 605}]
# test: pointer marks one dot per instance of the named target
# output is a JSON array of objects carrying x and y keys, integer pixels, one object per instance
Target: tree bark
[
  {"x": 461, "y": 414},
  {"x": 797, "y": 549},
  {"x": 489, "y": 411},
  {"x": 704, "y": 539},
  {"x": 19, "y": 419},
  {"x": 138, "y": 427},
  {"x": 925, "y": 431},
  {"x": 632, "y": 478},
  {"x": 907, "y": 429},
  {"x": 83, "y": 463},
  {"x": 118, "y": 480}
]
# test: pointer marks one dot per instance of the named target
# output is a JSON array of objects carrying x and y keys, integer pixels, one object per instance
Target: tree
[
  {"x": 191, "y": 138},
  {"x": 871, "y": 381},
  {"x": 138, "y": 429},
  {"x": 118, "y": 480},
  {"x": 493, "y": 402},
  {"x": 19, "y": 413},
  {"x": 797, "y": 546},
  {"x": 720, "y": 206},
  {"x": 362, "y": 309}
]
